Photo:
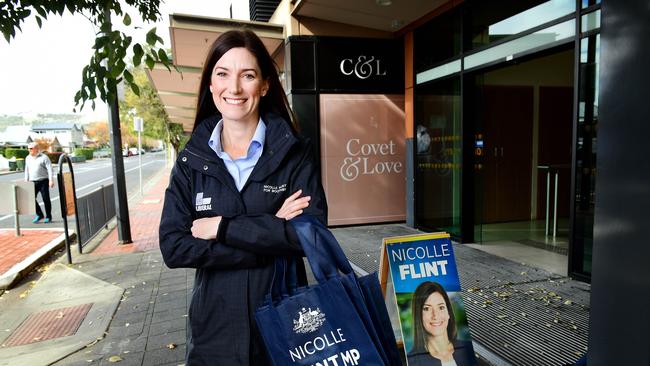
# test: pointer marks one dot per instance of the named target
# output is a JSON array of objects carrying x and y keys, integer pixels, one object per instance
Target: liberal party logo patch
[
  {"x": 203, "y": 203},
  {"x": 308, "y": 320}
]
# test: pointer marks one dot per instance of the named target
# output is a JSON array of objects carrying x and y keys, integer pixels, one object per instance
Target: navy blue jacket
[{"x": 233, "y": 272}]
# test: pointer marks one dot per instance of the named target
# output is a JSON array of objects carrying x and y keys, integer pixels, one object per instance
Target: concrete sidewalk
[{"x": 148, "y": 322}]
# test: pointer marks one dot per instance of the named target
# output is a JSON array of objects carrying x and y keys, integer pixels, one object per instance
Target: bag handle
[
  {"x": 321, "y": 248},
  {"x": 285, "y": 279}
]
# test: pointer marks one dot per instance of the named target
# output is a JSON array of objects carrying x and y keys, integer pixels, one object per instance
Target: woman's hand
[
  {"x": 206, "y": 228},
  {"x": 293, "y": 206}
]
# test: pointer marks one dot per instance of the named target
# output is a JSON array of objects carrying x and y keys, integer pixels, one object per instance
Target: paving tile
[
  {"x": 171, "y": 314},
  {"x": 122, "y": 330},
  {"x": 130, "y": 359},
  {"x": 168, "y": 326},
  {"x": 165, "y": 355},
  {"x": 123, "y": 317},
  {"x": 171, "y": 296},
  {"x": 167, "y": 288},
  {"x": 178, "y": 303},
  {"x": 176, "y": 338}
]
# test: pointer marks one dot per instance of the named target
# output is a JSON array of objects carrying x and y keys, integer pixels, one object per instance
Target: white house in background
[
  {"x": 18, "y": 136},
  {"x": 69, "y": 135}
]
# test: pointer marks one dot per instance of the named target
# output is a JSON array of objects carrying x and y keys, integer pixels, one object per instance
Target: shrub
[
  {"x": 54, "y": 156},
  {"x": 10, "y": 152},
  {"x": 87, "y": 153}
]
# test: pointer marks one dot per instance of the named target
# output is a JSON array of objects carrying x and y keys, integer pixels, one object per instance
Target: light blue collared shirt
[{"x": 240, "y": 169}]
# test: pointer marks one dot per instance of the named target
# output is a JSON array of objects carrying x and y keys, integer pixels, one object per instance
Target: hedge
[
  {"x": 87, "y": 153},
  {"x": 10, "y": 152}
]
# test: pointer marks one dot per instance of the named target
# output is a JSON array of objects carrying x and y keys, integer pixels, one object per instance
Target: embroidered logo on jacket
[
  {"x": 274, "y": 189},
  {"x": 203, "y": 203},
  {"x": 308, "y": 320}
]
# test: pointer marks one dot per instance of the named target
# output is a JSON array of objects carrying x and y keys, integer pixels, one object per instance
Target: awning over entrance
[{"x": 191, "y": 36}]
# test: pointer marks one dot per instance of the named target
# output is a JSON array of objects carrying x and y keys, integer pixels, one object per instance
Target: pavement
[{"x": 120, "y": 303}]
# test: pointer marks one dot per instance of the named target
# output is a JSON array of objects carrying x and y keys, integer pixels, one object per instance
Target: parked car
[
  {"x": 127, "y": 153},
  {"x": 134, "y": 151}
]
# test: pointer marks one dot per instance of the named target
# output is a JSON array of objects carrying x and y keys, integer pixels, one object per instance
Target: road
[{"x": 89, "y": 176}]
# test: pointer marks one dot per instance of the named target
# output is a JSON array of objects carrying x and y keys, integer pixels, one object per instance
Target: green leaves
[
  {"x": 138, "y": 52},
  {"x": 128, "y": 76},
  {"x": 149, "y": 60},
  {"x": 126, "y": 20},
  {"x": 152, "y": 37}
]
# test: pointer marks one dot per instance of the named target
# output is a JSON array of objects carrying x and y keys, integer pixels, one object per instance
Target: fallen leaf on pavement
[{"x": 114, "y": 359}]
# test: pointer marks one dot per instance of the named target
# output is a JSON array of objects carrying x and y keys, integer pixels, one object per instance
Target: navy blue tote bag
[{"x": 333, "y": 322}]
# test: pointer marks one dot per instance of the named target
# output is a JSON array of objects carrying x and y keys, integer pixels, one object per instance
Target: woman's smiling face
[
  {"x": 435, "y": 315},
  {"x": 237, "y": 86}
]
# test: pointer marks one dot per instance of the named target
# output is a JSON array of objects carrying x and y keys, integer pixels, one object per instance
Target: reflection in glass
[
  {"x": 532, "y": 17},
  {"x": 488, "y": 23},
  {"x": 540, "y": 38},
  {"x": 590, "y": 21},
  {"x": 438, "y": 158},
  {"x": 586, "y": 154},
  {"x": 438, "y": 72}
]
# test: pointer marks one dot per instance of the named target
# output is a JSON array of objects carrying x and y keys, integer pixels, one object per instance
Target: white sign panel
[
  {"x": 25, "y": 195},
  {"x": 138, "y": 124}
]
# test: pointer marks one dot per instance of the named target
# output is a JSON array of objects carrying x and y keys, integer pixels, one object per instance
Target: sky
[{"x": 40, "y": 69}]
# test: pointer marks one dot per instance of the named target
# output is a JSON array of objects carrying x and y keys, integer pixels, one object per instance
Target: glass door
[
  {"x": 521, "y": 119},
  {"x": 438, "y": 156}
]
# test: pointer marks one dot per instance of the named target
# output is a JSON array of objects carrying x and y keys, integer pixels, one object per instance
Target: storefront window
[
  {"x": 586, "y": 155},
  {"x": 438, "y": 156},
  {"x": 486, "y": 23}
]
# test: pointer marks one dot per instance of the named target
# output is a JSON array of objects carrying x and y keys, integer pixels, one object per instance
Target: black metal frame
[
  {"x": 64, "y": 205},
  {"x": 95, "y": 212}
]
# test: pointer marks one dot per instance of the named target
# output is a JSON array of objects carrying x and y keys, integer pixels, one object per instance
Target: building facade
[{"x": 500, "y": 113}]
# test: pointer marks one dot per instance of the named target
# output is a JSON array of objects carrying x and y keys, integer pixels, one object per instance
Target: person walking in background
[{"x": 38, "y": 169}]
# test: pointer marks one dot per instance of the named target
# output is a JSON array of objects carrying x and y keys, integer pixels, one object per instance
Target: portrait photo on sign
[{"x": 431, "y": 311}]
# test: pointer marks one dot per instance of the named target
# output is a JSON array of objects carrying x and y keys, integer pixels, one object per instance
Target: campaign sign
[{"x": 427, "y": 289}]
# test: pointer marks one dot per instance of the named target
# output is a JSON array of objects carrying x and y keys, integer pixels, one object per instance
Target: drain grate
[{"x": 49, "y": 324}]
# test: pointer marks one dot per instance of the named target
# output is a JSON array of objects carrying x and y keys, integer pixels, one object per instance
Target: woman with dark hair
[
  {"x": 434, "y": 330},
  {"x": 243, "y": 174}
]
